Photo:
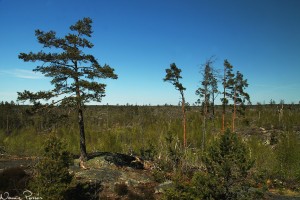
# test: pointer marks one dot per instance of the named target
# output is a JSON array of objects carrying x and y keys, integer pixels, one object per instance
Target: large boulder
[{"x": 111, "y": 169}]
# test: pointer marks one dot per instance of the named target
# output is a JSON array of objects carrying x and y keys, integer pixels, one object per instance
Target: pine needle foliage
[
  {"x": 228, "y": 167},
  {"x": 52, "y": 178},
  {"x": 228, "y": 80},
  {"x": 206, "y": 93},
  {"x": 73, "y": 73},
  {"x": 226, "y": 175}
]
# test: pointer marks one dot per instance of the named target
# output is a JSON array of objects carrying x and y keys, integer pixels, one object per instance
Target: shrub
[
  {"x": 51, "y": 176},
  {"x": 226, "y": 175},
  {"x": 181, "y": 191},
  {"x": 228, "y": 168},
  {"x": 148, "y": 153}
]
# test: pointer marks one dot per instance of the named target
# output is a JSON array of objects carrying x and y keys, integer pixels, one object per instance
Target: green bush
[
  {"x": 226, "y": 175},
  {"x": 228, "y": 165},
  {"x": 51, "y": 178},
  {"x": 181, "y": 191}
]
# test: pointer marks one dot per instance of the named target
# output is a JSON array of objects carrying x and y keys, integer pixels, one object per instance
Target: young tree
[
  {"x": 74, "y": 74},
  {"x": 173, "y": 76},
  {"x": 207, "y": 89},
  {"x": 227, "y": 83},
  {"x": 214, "y": 89},
  {"x": 51, "y": 175},
  {"x": 238, "y": 94},
  {"x": 227, "y": 174},
  {"x": 203, "y": 92}
]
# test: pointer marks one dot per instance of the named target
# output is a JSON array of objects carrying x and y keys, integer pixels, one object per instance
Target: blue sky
[{"x": 140, "y": 38}]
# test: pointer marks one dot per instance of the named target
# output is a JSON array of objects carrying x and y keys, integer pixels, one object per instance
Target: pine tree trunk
[
  {"x": 203, "y": 134},
  {"x": 213, "y": 106},
  {"x": 204, "y": 124},
  {"x": 223, "y": 115},
  {"x": 234, "y": 111},
  {"x": 183, "y": 119},
  {"x": 83, "y": 154},
  {"x": 213, "y": 111}
]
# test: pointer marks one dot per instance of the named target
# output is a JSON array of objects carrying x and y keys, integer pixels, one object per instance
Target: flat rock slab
[
  {"x": 7, "y": 162},
  {"x": 103, "y": 175},
  {"x": 113, "y": 175},
  {"x": 111, "y": 168}
]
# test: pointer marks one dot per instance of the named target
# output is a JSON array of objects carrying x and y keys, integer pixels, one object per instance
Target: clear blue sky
[{"x": 140, "y": 38}]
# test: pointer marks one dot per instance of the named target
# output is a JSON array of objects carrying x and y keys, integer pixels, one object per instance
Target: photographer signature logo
[{"x": 27, "y": 194}]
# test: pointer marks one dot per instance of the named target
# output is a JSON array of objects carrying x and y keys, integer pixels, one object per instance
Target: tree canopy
[{"x": 73, "y": 73}]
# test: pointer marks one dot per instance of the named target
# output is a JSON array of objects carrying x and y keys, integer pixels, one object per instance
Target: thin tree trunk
[
  {"x": 223, "y": 115},
  {"x": 213, "y": 105},
  {"x": 213, "y": 110},
  {"x": 203, "y": 134},
  {"x": 204, "y": 124},
  {"x": 184, "y": 119},
  {"x": 234, "y": 111}
]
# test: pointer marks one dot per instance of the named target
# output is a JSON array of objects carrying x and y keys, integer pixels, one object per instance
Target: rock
[
  {"x": 106, "y": 159},
  {"x": 111, "y": 168},
  {"x": 123, "y": 160},
  {"x": 103, "y": 175}
]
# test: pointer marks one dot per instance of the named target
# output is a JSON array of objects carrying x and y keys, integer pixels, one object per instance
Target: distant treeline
[{"x": 14, "y": 116}]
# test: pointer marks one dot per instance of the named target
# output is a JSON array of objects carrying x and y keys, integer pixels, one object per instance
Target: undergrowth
[{"x": 155, "y": 133}]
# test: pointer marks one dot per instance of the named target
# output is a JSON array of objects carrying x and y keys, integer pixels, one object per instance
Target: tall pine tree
[
  {"x": 228, "y": 81},
  {"x": 73, "y": 73},
  {"x": 206, "y": 93},
  {"x": 173, "y": 76},
  {"x": 238, "y": 94}
]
